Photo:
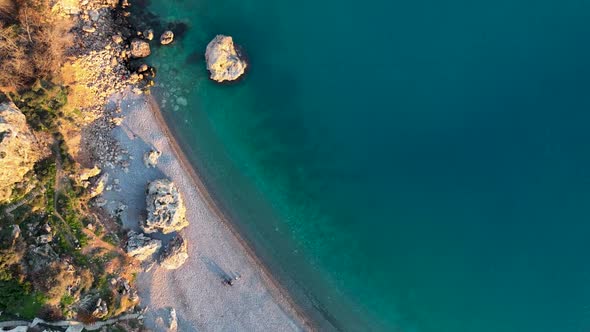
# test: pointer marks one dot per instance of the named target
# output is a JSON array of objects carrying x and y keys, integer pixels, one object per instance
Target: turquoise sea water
[{"x": 405, "y": 166}]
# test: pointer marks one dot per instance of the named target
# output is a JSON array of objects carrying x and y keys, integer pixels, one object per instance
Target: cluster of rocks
[
  {"x": 101, "y": 309},
  {"x": 98, "y": 306},
  {"x": 100, "y": 48},
  {"x": 101, "y": 145},
  {"x": 107, "y": 49},
  {"x": 19, "y": 149},
  {"x": 165, "y": 214}
]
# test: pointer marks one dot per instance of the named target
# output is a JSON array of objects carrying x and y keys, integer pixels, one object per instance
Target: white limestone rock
[
  {"x": 223, "y": 60},
  {"x": 150, "y": 159},
  {"x": 141, "y": 247},
  {"x": 19, "y": 149},
  {"x": 167, "y": 37},
  {"x": 175, "y": 254},
  {"x": 165, "y": 208}
]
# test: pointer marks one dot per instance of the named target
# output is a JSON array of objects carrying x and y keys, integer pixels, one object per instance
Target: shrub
[
  {"x": 12, "y": 294},
  {"x": 41, "y": 106}
]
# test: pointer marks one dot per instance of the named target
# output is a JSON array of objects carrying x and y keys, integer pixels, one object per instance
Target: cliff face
[{"x": 19, "y": 150}]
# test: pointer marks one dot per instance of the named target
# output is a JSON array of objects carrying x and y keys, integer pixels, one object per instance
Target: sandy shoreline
[{"x": 256, "y": 303}]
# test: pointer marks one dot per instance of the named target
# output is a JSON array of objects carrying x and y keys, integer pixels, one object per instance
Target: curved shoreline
[{"x": 277, "y": 290}]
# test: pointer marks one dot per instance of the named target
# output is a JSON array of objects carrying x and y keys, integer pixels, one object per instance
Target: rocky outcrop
[
  {"x": 39, "y": 258},
  {"x": 101, "y": 309},
  {"x": 99, "y": 185},
  {"x": 175, "y": 253},
  {"x": 165, "y": 208},
  {"x": 87, "y": 173},
  {"x": 19, "y": 149},
  {"x": 139, "y": 48},
  {"x": 167, "y": 37},
  {"x": 141, "y": 247},
  {"x": 223, "y": 60},
  {"x": 150, "y": 159}
]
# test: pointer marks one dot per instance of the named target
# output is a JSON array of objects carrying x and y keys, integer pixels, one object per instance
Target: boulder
[
  {"x": 165, "y": 208},
  {"x": 172, "y": 320},
  {"x": 150, "y": 159},
  {"x": 19, "y": 149},
  {"x": 100, "y": 309},
  {"x": 149, "y": 34},
  {"x": 142, "y": 68},
  {"x": 223, "y": 60},
  {"x": 117, "y": 39},
  {"x": 175, "y": 253},
  {"x": 88, "y": 29},
  {"x": 44, "y": 239},
  {"x": 71, "y": 7},
  {"x": 99, "y": 185},
  {"x": 139, "y": 48},
  {"x": 140, "y": 246},
  {"x": 15, "y": 232},
  {"x": 88, "y": 173},
  {"x": 167, "y": 37}
]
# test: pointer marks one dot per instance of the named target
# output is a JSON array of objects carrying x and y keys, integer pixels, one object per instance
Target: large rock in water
[
  {"x": 223, "y": 60},
  {"x": 165, "y": 208},
  {"x": 167, "y": 37},
  {"x": 141, "y": 247},
  {"x": 175, "y": 253},
  {"x": 19, "y": 149}
]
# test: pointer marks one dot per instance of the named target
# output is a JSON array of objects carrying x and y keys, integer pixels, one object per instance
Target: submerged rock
[
  {"x": 165, "y": 208},
  {"x": 223, "y": 60},
  {"x": 167, "y": 37},
  {"x": 19, "y": 150},
  {"x": 141, "y": 247},
  {"x": 140, "y": 48},
  {"x": 175, "y": 253}
]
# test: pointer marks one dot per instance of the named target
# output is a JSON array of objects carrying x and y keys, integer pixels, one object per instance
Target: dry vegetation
[{"x": 32, "y": 42}]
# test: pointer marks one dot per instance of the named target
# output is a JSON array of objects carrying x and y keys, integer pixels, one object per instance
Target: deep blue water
[{"x": 408, "y": 166}]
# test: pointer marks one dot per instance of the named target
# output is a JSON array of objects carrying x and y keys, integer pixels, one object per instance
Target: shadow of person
[{"x": 216, "y": 269}]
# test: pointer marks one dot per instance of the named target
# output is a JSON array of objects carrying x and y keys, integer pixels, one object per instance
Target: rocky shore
[{"x": 139, "y": 189}]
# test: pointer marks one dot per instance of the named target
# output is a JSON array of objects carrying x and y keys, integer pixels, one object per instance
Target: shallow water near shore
[{"x": 404, "y": 167}]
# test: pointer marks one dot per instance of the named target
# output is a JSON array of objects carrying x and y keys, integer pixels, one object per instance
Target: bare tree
[{"x": 32, "y": 42}]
